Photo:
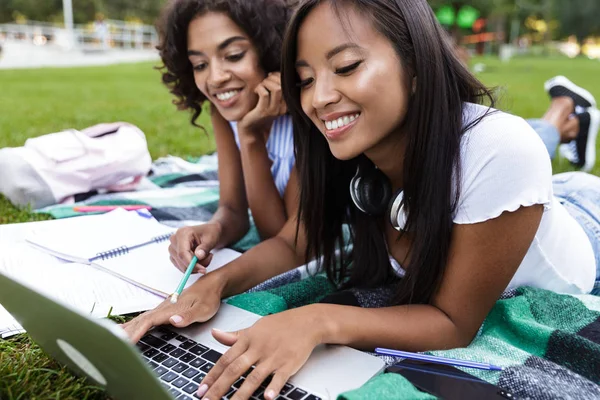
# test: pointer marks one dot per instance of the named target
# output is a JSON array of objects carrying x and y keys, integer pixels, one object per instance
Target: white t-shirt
[{"x": 504, "y": 166}]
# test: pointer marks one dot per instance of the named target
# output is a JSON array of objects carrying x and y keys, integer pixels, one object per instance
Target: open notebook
[
  {"x": 130, "y": 245},
  {"x": 87, "y": 289}
]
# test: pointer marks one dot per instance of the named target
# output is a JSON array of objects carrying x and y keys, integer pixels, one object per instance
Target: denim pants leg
[
  {"x": 548, "y": 133},
  {"x": 579, "y": 193}
]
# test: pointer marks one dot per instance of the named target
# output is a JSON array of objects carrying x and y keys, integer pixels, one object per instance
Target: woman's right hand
[
  {"x": 196, "y": 240},
  {"x": 198, "y": 303}
]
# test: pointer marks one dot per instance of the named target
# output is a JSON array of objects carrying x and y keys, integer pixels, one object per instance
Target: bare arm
[
  {"x": 483, "y": 259},
  {"x": 285, "y": 253},
  {"x": 268, "y": 209},
  {"x": 232, "y": 214}
]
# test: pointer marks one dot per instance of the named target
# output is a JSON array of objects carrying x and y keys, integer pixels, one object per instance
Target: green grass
[
  {"x": 40, "y": 101},
  {"x": 36, "y": 102}
]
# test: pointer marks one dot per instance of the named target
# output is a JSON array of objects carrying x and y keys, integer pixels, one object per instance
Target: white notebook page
[
  {"x": 83, "y": 238},
  {"x": 84, "y": 287},
  {"x": 151, "y": 267}
]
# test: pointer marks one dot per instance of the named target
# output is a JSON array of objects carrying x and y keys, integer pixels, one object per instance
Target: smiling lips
[
  {"x": 228, "y": 98},
  {"x": 335, "y": 127}
]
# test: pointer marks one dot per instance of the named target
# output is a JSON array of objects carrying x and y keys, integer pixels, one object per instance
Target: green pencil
[{"x": 184, "y": 280}]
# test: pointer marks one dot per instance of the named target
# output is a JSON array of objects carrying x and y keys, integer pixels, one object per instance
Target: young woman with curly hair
[{"x": 228, "y": 52}]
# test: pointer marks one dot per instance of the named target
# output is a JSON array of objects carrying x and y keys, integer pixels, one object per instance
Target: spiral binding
[
  {"x": 119, "y": 251},
  {"x": 161, "y": 238}
]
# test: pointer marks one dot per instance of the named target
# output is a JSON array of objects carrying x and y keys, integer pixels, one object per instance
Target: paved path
[{"x": 26, "y": 55}]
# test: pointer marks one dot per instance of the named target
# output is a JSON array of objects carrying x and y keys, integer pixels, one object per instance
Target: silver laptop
[{"x": 168, "y": 363}]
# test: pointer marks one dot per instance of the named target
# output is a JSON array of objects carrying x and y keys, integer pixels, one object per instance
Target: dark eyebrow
[
  {"x": 301, "y": 63},
  {"x": 331, "y": 53},
  {"x": 221, "y": 46},
  {"x": 340, "y": 48}
]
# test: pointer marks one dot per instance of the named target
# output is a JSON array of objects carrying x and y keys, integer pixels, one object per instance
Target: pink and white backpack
[{"x": 51, "y": 169}]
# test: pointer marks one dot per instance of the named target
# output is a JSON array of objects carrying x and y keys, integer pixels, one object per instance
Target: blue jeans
[{"x": 578, "y": 192}]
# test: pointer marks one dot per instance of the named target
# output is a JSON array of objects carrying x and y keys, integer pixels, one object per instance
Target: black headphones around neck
[{"x": 371, "y": 192}]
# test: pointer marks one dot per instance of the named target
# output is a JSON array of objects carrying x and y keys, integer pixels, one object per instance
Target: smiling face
[
  {"x": 353, "y": 86},
  {"x": 226, "y": 64}
]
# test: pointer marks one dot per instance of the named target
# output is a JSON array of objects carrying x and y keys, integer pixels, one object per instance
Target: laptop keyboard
[{"x": 181, "y": 364}]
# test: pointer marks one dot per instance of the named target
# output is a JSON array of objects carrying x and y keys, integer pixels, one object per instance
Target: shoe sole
[
  {"x": 565, "y": 152},
  {"x": 556, "y": 88},
  {"x": 590, "y": 146}
]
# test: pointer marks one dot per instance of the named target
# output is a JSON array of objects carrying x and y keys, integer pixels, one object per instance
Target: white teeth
[
  {"x": 227, "y": 95},
  {"x": 340, "y": 122}
]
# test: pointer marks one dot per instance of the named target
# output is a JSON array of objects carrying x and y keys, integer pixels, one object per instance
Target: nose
[
  {"x": 324, "y": 93},
  {"x": 217, "y": 75}
]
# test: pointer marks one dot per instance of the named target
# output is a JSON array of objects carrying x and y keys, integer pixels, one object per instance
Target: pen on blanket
[
  {"x": 436, "y": 359},
  {"x": 184, "y": 280},
  {"x": 128, "y": 207}
]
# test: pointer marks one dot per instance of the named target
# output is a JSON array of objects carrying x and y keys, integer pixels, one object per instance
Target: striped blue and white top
[{"x": 280, "y": 147}]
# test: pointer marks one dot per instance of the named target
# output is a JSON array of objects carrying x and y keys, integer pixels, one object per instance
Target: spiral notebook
[
  {"x": 128, "y": 244},
  {"x": 83, "y": 287}
]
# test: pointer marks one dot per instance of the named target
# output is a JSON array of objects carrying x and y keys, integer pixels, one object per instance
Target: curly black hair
[{"x": 264, "y": 21}]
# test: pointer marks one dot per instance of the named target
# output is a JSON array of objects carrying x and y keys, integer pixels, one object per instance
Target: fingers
[
  {"x": 190, "y": 241},
  {"x": 203, "y": 263},
  {"x": 263, "y": 97},
  {"x": 233, "y": 364},
  {"x": 181, "y": 246},
  {"x": 226, "y": 338},
  {"x": 187, "y": 310},
  {"x": 273, "y": 85},
  {"x": 252, "y": 382},
  {"x": 276, "y": 384},
  {"x": 137, "y": 327},
  {"x": 174, "y": 261},
  {"x": 228, "y": 369}
]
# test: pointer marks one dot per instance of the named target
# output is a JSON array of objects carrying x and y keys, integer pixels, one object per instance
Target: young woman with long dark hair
[{"x": 449, "y": 202}]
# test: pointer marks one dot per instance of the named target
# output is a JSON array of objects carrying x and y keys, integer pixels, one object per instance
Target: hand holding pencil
[
  {"x": 198, "y": 303},
  {"x": 194, "y": 241}
]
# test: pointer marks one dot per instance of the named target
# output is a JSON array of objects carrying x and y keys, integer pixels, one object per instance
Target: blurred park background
[{"x": 74, "y": 63}]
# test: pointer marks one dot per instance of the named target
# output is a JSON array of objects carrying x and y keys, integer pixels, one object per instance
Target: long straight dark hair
[{"x": 434, "y": 128}]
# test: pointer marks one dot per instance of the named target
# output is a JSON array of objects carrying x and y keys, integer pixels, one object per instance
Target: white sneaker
[{"x": 561, "y": 86}]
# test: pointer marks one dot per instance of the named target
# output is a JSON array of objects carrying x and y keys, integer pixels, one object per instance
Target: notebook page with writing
[
  {"x": 152, "y": 269},
  {"x": 82, "y": 286},
  {"x": 84, "y": 239}
]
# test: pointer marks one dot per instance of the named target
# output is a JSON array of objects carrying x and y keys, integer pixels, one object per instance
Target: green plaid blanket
[{"x": 548, "y": 344}]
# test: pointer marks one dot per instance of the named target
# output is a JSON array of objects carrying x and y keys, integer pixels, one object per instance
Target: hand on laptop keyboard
[
  {"x": 198, "y": 303},
  {"x": 277, "y": 345},
  {"x": 182, "y": 363}
]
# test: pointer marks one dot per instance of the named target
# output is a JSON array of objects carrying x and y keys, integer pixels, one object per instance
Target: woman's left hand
[
  {"x": 277, "y": 345},
  {"x": 270, "y": 106}
]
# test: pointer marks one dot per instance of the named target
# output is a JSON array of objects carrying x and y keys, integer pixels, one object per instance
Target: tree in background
[
  {"x": 574, "y": 17},
  {"x": 579, "y": 17}
]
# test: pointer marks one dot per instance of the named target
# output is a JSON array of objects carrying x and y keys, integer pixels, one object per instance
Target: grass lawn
[{"x": 35, "y": 102}]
